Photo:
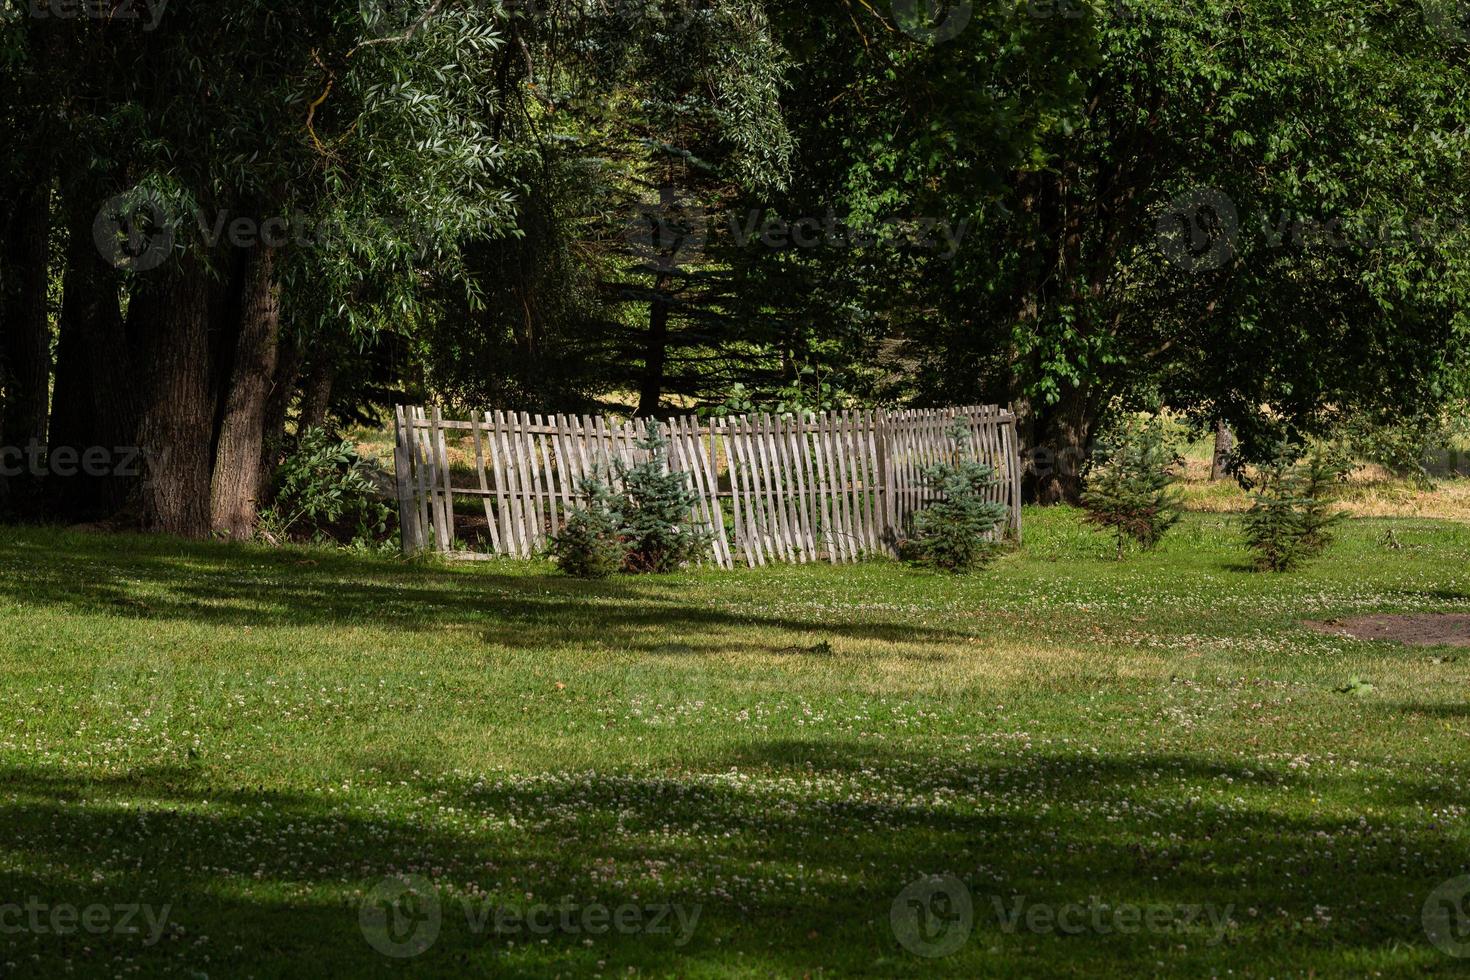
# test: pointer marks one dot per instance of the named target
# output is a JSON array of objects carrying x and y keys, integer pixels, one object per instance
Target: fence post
[
  {"x": 407, "y": 512},
  {"x": 1017, "y": 464},
  {"x": 888, "y": 503},
  {"x": 443, "y": 510}
]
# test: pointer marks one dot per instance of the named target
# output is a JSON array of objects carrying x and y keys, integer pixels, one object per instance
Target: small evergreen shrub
[
  {"x": 954, "y": 531},
  {"x": 1130, "y": 489},
  {"x": 655, "y": 511},
  {"x": 647, "y": 526},
  {"x": 326, "y": 491},
  {"x": 591, "y": 545},
  {"x": 1291, "y": 520},
  {"x": 1274, "y": 529},
  {"x": 1323, "y": 475}
]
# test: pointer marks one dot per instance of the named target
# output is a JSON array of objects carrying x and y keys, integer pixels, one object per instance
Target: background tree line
[{"x": 237, "y": 221}]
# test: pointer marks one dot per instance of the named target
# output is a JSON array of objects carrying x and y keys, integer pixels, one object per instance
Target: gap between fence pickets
[{"x": 826, "y": 486}]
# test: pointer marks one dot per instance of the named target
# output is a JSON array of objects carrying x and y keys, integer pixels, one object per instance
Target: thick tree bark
[
  {"x": 277, "y": 405},
  {"x": 176, "y": 426},
  {"x": 235, "y": 488},
  {"x": 25, "y": 330},
  {"x": 655, "y": 353},
  {"x": 1224, "y": 446},
  {"x": 1064, "y": 433},
  {"x": 316, "y": 394},
  {"x": 94, "y": 408}
]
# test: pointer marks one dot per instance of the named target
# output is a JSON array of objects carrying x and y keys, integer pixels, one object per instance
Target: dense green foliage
[
  {"x": 1130, "y": 487},
  {"x": 1243, "y": 209},
  {"x": 957, "y": 529},
  {"x": 325, "y": 490}
]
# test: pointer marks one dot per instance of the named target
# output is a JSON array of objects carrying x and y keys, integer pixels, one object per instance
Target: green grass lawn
[{"x": 1157, "y": 752}]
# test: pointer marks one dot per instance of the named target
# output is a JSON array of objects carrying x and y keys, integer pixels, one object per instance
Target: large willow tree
[{"x": 234, "y": 174}]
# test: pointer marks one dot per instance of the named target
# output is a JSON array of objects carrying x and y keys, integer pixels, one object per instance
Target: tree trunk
[
  {"x": 94, "y": 406},
  {"x": 1065, "y": 435},
  {"x": 655, "y": 352},
  {"x": 177, "y": 423},
  {"x": 277, "y": 404},
  {"x": 25, "y": 329},
  {"x": 1224, "y": 446},
  {"x": 316, "y": 395},
  {"x": 235, "y": 489}
]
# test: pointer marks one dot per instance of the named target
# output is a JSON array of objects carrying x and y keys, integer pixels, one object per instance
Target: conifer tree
[
  {"x": 1130, "y": 489},
  {"x": 656, "y": 510},
  {"x": 1292, "y": 518},
  {"x": 643, "y": 524},
  {"x": 955, "y": 532},
  {"x": 591, "y": 544}
]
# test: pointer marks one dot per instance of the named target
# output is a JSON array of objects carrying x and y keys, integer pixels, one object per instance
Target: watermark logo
[
  {"x": 139, "y": 231},
  {"x": 133, "y": 233},
  {"x": 1448, "y": 20},
  {"x": 1446, "y": 917},
  {"x": 136, "y": 689},
  {"x": 401, "y": 917},
  {"x": 668, "y": 233},
  {"x": 933, "y": 917},
  {"x": 933, "y": 21},
  {"x": 1199, "y": 230}
]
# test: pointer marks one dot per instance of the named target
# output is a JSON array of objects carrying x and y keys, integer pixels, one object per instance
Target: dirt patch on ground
[{"x": 1425, "y": 630}]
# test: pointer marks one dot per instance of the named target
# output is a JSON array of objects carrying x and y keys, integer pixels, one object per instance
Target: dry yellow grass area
[{"x": 1372, "y": 491}]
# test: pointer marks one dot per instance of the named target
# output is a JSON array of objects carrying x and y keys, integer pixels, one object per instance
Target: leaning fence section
[{"x": 830, "y": 486}]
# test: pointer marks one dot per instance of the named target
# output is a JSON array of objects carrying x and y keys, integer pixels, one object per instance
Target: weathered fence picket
[{"x": 831, "y": 486}]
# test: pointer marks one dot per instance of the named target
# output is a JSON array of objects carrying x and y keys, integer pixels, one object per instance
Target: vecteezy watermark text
[
  {"x": 934, "y": 916},
  {"x": 36, "y": 459},
  {"x": 675, "y": 230},
  {"x": 1098, "y": 918},
  {"x": 138, "y": 232},
  {"x": 920, "y": 234},
  {"x": 41, "y": 918},
  {"x": 109, "y": 10},
  {"x": 403, "y": 916}
]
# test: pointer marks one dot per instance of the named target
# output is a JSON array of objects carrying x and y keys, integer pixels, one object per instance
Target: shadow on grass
[
  {"x": 1454, "y": 711},
  {"x": 231, "y": 585},
  {"x": 793, "y": 851}
]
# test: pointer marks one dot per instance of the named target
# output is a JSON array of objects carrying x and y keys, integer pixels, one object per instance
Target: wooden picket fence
[{"x": 833, "y": 486}]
